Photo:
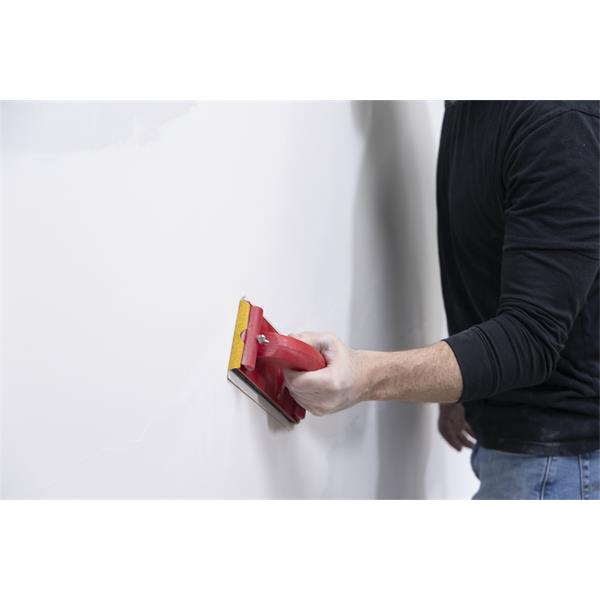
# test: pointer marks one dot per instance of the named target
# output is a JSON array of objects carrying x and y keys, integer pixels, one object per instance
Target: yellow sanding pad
[{"x": 237, "y": 345}]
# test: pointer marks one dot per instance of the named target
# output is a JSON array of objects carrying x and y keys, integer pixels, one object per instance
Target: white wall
[{"x": 130, "y": 230}]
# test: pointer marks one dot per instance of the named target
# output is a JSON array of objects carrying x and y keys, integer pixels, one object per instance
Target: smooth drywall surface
[{"x": 130, "y": 230}]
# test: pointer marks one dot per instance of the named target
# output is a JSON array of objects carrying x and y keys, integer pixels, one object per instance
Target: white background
[{"x": 130, "y": 230}]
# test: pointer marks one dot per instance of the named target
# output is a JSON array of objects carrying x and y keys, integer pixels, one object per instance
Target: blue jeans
[{"x": 509, "y": 476}]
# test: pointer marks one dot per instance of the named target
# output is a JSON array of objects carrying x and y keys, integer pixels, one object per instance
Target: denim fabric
[{"x": 509, "y": 476}]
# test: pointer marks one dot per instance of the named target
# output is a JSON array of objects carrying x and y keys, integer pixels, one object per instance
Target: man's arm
[
  {"x": 549, "y": 264},
  {"x": 429, "y": 374}
]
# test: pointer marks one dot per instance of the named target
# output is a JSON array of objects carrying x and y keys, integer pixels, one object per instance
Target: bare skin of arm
[{"x": 429, "y": 374}]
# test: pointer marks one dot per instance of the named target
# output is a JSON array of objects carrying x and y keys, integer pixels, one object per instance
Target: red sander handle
[{"x": 289, "y": 352}]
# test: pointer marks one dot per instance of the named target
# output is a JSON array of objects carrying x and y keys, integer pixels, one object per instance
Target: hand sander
[{"x": 258, "y": 356}]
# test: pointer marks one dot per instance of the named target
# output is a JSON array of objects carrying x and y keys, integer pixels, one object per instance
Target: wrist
[{"x": 364, "y": 374}]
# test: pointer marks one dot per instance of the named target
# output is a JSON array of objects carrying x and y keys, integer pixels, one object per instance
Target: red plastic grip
[
  {"x": 255, "y": 322},
  {"x": 290, "y": 353}
]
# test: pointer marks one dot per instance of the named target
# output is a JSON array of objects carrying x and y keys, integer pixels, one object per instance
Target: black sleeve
[{"x": 549, "y": 260}]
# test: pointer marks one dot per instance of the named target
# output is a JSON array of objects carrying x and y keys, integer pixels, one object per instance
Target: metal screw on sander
[{"x": 262, "y": 339}]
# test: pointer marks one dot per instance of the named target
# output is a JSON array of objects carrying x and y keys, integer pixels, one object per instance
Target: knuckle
[
  {"x": 334, "y": 384},
  {"x": 331, "y": 388}
]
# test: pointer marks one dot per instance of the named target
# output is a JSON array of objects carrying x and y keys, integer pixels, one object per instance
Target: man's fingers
[
  {"x": 323, "y": 342},
  {"x": 291, "y": 377},
  {"x": 451, "y": 438},
  {"x": 454, "y": 442},
  {"x": 310, "y": 337},
  {"x": 465, "y": 441},
  {"x": 306, "y": 407},
  {"x": 306, "y": 381},
  {"x": 470, "y": 431}
]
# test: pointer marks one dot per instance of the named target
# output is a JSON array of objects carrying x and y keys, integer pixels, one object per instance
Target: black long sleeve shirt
[{"x": 518, "y": 195}]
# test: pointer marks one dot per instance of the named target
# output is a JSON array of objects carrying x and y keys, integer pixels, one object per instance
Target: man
[{"x": 518, "y": 231}]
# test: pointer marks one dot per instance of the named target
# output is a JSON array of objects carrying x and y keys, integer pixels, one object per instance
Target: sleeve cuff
[{"x": 471, "y": 353}]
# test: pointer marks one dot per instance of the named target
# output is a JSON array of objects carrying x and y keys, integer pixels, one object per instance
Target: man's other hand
[
  {"x": 337, "y": 386},
  {"x": 453, "y": 427}
]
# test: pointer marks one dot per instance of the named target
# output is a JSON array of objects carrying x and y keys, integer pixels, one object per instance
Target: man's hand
[
  {"x": 339, "y": 385},
  {"x": 429, "y": 374},
  {"x": 453, "y": 427}
]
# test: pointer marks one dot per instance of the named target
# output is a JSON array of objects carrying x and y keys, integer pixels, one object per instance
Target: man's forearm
[{"x": 429, "y": 374}]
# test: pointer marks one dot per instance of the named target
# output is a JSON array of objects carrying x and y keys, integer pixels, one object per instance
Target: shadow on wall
[{"x": 396, "y": 299}]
